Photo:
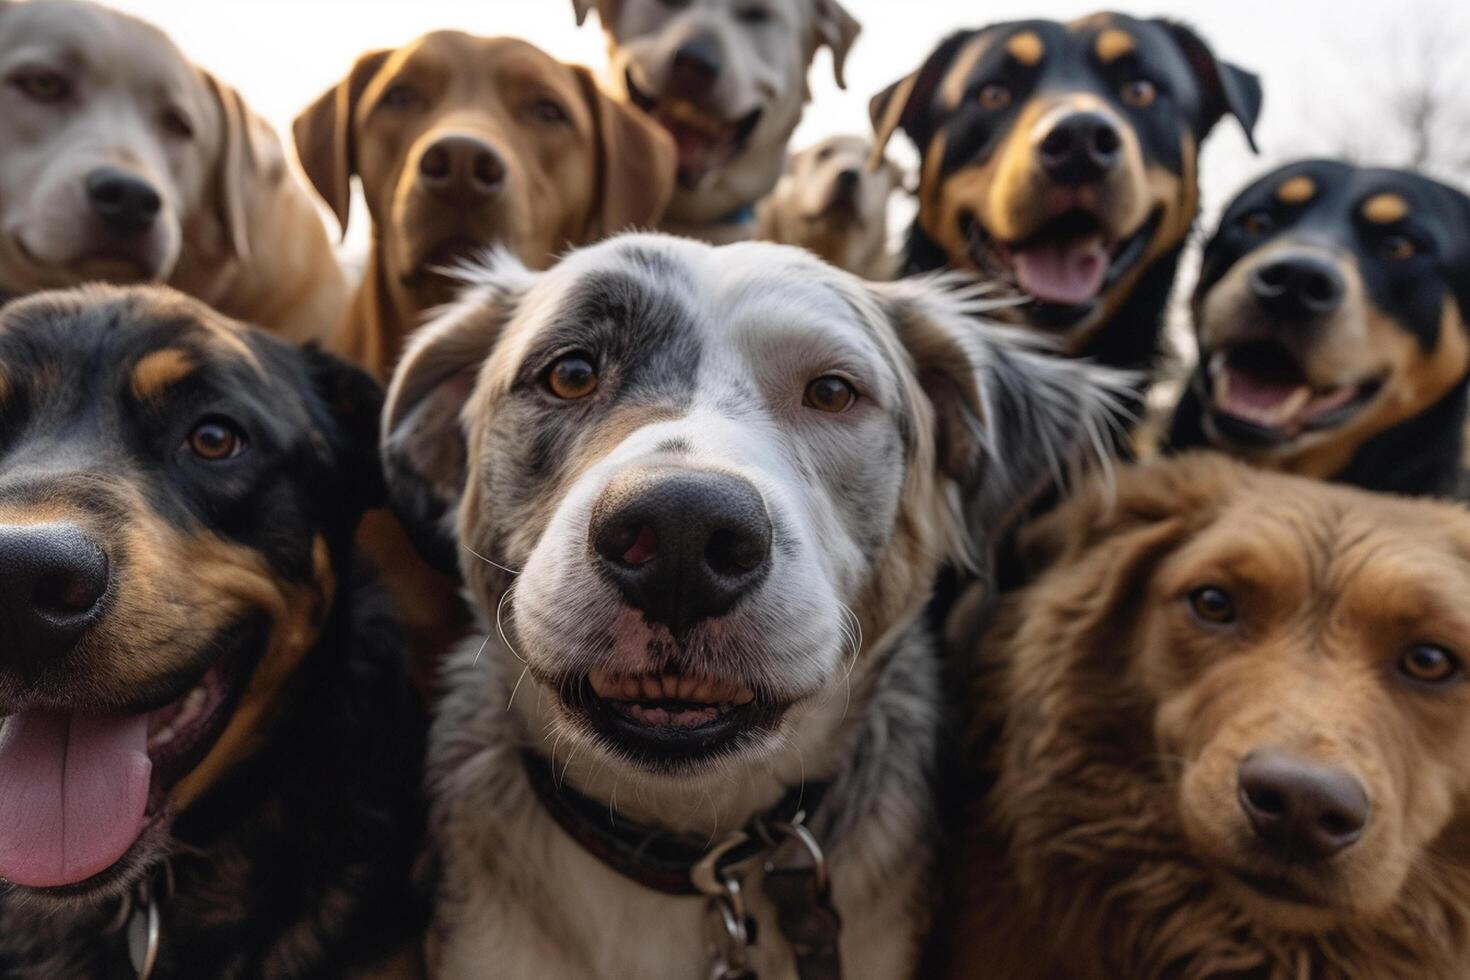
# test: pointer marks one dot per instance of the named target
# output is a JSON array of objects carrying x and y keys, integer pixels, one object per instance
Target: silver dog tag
[{"x": 143, "y": 932}]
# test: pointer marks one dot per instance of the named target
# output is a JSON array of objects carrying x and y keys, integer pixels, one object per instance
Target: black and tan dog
[
  {"x": 1064, "y": 158},
  {"x": 206, "y": 730},
  {"x": 1332, "y": 316}
]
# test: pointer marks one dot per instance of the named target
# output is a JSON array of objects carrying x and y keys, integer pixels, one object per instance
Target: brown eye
[
  {"x": 1429, "y": 664},
  {"x": 43, "y": 86},
  {"x": 572, "y": 377},
  {"x": 216, "y": 439},
  {"x": 1398, "y": 248},
  {"x": 175, "y": 124},
  {"x": 1213, "y": 605},
  {"x": 829, "y": 393},
  {"x": 1139, "y": 93},
  {"x": 1258, "y": 223},
  {"x": 995, "y": 97},
  {"x": 547, "y": 111},
  {"x": 402, "y": 96}
]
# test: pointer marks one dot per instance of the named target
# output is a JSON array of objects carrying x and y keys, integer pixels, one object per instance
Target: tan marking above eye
[
  {"x": 1385, "y": 209},
  {"x": 1297, "y": 190},
  {"x": 1026, "y": 47},
  {"x": 1113, "y": 44},
  {"x": 156, "y": 371}
]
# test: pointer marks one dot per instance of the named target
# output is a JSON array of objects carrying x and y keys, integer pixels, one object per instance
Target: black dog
[
  {"x": 205, "y": 721},
  {"x": 1332, "y": 315},
  {"x": 1063, "y": 158}
]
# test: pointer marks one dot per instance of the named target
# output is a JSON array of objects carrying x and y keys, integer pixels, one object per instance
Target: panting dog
[{"x": 698, "y": 497}]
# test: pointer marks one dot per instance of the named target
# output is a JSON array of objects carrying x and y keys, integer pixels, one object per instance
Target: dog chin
[{"x": 94, "y": 261}]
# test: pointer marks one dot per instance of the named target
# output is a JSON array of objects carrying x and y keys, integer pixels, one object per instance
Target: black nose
[
  {"x": 1081, "y": 149},
  {"x": 696, "y": 67},
  {"x": 1300, "y": 808},
  {"x": 1298, "y": 286},
  {"x": 127, "y": 205},
  {"x": 462, "y": 169},
  {"x": 847, "y": 183},
  {"x": 681, "y": 545},
  {"x": 52, "y": 580}
]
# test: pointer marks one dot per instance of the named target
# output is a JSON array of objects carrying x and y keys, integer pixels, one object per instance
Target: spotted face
[
  {"x": 1062, "y": 157},
  {"x": 1332, "y": 307},
  {"x": 714, "y": 471},
  {"x": 177, "y": 493}
]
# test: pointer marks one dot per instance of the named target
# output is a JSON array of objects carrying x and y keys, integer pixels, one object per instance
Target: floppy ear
[
  {"x": 834, "y": 27},
  {"x": 1012, "y": 420},
  {"x": 424, "y": 432},
  {"x": 324, "y": 140},
  {"x": 240, "y": 166},
  {"x": 1225, "y": 88},
  {"x": 636, "y": 164},
  {"x": 902, "y": 105},
  {"x": 355, "y": 403},
  {"x": 607, "y": 11}
]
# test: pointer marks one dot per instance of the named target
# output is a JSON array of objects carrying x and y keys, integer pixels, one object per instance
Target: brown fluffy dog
[
  {"x": 1229, "y": 727},
  {"x": 464, "y": 142}
]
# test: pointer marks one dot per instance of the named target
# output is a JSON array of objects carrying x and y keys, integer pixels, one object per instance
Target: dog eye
[
  {"x": 1139, "y": 93},
  {"x": 402, "y": 96},
  {"x": 995, "y": 96},
  {"x": 1429, "y": 664},
  {"x": 824, "y": 154},
  {"x": 43, "y": 86},
  {"x": 1258, "y": 223},
  {"x": 1212, "y": 604},
  {"x": 216, "y": 439},
  {"x": 547, "y": 111},
  {"x": 174, "y": 122},
  {"x": 572, "y": 377},
  {"x": 829, "y": 393},
  {"x": 1397, "y": 247},
  {"x": 753, "y": 15}
]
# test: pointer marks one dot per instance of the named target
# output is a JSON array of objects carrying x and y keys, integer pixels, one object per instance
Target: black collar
[{"x": 653, "y": 857}]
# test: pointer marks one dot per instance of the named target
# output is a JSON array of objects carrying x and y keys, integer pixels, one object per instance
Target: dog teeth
[
  {"x": 667, "y": 687},
  {"x": 190, "y": 711}
]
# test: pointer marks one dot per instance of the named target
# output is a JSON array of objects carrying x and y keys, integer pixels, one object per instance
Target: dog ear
[
  {"x": 636, "y": 163},
  {"x": 1012, "y": 421},
  {"x": 607, "y": 11},
  {"x": 354, "y": 402},
  {"x": 243, "y": 164},
  {"x": 834, "y": 27},
  {"x": 902, "y": 105},
  {"x": 324, "y": 139},
  {"x": 425, "y": 442},
  {"x": 1225, "y": 88}
]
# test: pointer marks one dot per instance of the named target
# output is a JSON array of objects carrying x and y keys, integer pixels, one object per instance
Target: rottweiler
[
  {"x": 1331, "y": 315},
  {"x": 210, "y": 751},
  {"x": 1063, "y": 159}
]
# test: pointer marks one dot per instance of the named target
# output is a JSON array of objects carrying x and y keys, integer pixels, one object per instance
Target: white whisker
[
  {"x": 487, "y": 561},
  {"x": 513, "y": 690},
  {"x": 500, "y": 627}
]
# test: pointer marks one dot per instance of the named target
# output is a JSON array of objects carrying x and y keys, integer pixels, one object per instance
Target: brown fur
[{"x": 1098, "y": 849}]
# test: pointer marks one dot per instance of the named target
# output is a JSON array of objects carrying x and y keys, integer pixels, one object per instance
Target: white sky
[{"x": 1325, "y": 64}]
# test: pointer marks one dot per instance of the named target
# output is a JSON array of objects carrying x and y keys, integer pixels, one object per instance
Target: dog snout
[
  {"x": 461, "y": 169},
  {"x": 127, "y": 205},
  {"x": 848, "y": 182},
  {"x": 53, "y": 578},
  {"x": 682, "y": 546},
  {"x": 1298, "y": 286},
  {"x": 1300, "y": 808},
  {"x": 1081, "y": 148},
  {"x": 696, "y": 67}
]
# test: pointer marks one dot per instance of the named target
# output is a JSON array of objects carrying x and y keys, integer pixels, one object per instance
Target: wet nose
[
  {"x": 682, "y": 546},
  {"x": 1080, "y": 149},
  {"x": 127, "y": 205},
  {"x": 696, "y": 67},
  {"x": 52, "y": 581},
  {"x": 1298, "y": 286},
  {"x": 847, "y": 183},
  {"x": 1301, "y": 808},
  {"x": 461, "y": 169}
]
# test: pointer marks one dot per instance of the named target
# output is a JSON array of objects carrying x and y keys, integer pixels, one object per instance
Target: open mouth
[
  {"x": 704, "y": 140},
  {"x": 1258, "y": 392},
  {"x": 81, "y": 789},
  {"x": 1066, "y": 265},
  {"x": 1278, "y": 887},
  {"x": 666, "y": 718}
]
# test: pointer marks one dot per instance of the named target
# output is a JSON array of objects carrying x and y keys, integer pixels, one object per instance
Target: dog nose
[
  {"x": 461, "y": 169},
  {"x": 127, "y": 205},
  {"x": 1302, "y": 286},
  {"x": 682, "y": 546},
  {"x": 847, "y": 183},
  {"x": 696, "y": 67},
  {"x": 1081, "y": 148},
  {"x": 1299, "y": 807},
  {"x": 52, "y": 580}
]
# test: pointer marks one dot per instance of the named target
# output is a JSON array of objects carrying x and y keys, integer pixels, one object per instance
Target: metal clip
[
  {"x": 726, "y": 924},
  {"x": 144, "y": 930}
]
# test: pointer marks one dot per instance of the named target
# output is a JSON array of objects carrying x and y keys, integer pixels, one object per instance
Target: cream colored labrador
[{"x": 121, "y": 161}]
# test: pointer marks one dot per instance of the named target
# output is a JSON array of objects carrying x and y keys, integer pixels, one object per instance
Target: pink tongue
[
  {"x": 1246, "y": 391},
  {"x": 73, "y": 791},
  {"x": 1069, "y": 272}
]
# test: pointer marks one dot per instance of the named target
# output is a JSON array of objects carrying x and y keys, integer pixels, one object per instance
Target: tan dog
[
  {"x": 1233, "y": 717},
  {"x": 121, "y": 161},
  {"x": 830, "y": 202},
  {"x": 727, "y": 78},
  {"x": 465, "y": 142}
]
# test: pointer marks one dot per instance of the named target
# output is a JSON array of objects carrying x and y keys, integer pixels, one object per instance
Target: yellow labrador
[{"x": 121, "y": 161}]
